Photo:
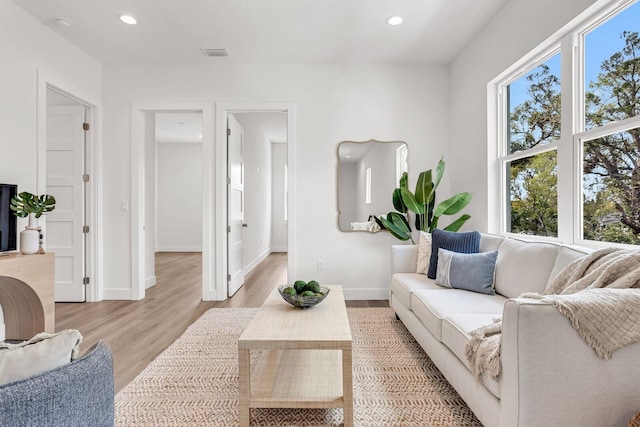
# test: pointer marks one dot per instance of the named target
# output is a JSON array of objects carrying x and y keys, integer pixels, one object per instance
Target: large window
[{"x": 581, "y": 184}]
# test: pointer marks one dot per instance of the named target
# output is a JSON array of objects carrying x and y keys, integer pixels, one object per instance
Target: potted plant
[
  {"x": 27, "y": 204},
  {"x": 422, "y": 204}
]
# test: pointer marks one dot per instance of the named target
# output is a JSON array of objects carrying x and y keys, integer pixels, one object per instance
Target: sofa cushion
[
  {"x": 566, "y": 255},
  {"x": 490, "y": 242},
  {"x": 456, "y": 332},
  {"x": 524, "y": 267},
  {"x": 472, "y": 272},
  {"x": 404, "y": 284},
  {"x": 432, "y": 305},
  {"x": 468, "y": 243}
]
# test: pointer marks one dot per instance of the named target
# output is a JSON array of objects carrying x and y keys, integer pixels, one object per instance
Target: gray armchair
[{"x": 78, "y": 394}]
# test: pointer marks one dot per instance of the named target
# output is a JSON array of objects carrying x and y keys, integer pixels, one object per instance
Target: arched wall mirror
[{"x": 368, "y": 172}]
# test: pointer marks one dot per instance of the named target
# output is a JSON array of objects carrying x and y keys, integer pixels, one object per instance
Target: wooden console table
[{"x": 27, "y": 293}]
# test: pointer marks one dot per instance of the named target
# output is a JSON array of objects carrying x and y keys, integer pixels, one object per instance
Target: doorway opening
[
  {"x": 223, "y": 111},
  {"x": 169, "y": 194},
  {"x": 257, "y": 205}
]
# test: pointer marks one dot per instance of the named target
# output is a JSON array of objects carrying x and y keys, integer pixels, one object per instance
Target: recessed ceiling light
[
  {"x": 394, "y": 20},
  {"x": 215, "y": 52},
  {"x": 63, "y": 22},
  {"x": 127, "y": 19}
]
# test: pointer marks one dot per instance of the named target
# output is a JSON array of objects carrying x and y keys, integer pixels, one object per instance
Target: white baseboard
[
  {"x": 279, "y": 249},
  {"x": 253, "y": 264},
  {"x": 366, "y": 294},
  {"x": 149, "y": 282},
  {"x": 179, "y": 249}
]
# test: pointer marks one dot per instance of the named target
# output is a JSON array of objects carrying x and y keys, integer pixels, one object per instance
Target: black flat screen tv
[{"x": 8, "y": 221}]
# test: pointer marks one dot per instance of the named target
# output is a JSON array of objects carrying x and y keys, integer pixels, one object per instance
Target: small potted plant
[{"x": 27, "y": 204}]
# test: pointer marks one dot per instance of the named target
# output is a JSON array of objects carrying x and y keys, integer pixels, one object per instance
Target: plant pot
[{"x": 29, "y": 241}]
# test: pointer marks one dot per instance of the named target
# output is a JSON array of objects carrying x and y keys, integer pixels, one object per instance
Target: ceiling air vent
[{"x": 215, "y": 52}]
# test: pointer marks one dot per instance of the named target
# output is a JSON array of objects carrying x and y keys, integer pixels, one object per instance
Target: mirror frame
[{"x": 338, "y": 178}]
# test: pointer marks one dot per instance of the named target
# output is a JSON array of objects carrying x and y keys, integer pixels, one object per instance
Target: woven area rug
[{"x": 195, "y": 380}]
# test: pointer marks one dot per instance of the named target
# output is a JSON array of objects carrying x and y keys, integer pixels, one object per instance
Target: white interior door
[
  {"x": 64, "y": 227},
  {"x": 235, "y": 205}
]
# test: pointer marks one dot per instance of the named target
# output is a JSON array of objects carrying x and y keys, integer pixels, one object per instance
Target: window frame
[{"x": 570, "y": 42}]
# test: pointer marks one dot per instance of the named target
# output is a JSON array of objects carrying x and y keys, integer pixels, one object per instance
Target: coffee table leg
[
  {"x": 244, "y": 384},
  {"x": 347, "y": 387}
]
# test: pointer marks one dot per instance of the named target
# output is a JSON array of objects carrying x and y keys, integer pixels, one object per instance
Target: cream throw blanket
[{"x": 594, "y": 293}]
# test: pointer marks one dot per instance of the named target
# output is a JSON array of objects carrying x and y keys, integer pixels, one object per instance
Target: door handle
[{"x": 244, "y": 225}]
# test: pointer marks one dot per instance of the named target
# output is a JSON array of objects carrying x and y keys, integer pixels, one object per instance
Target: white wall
[
  {"x": 28, "y": 49},
  {"x": 179, "y": 197},
  {"x": 278, "y": 224},
  {"x": 333, "y": 103},
  {"x": 515, "y": 30}
]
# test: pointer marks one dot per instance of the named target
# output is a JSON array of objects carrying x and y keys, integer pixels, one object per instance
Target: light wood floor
[{"x": 138, "y": 331}]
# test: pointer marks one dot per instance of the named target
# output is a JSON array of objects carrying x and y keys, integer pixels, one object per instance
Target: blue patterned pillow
[
  {"x": 466, "y": 243},
  {"x": 471, "y": 272}
]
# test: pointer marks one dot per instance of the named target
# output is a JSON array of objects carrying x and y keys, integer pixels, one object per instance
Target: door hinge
[
  {"x": 228, "y": 131},
  {"x": 228, "y": 180},
  {"x": 228, "y": 229},
  {"x": 85, "y": 280},
  {"x": 85, "y": 229},
  {"x": 85, "y": 177},
  {"x": 85, "y": 126},
  {"x": 228, "y": 277}
]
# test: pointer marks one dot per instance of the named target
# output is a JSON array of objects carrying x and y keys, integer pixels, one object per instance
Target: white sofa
[{"x": 550, "y": 376}]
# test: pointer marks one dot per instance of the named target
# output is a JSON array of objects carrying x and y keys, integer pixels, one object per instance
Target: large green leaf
[
  {"x": 396, "y": 226},
  {"x": 43, "y": 204},
  {"x": 453, "y": 205},
  {"x": 455, "y": 225},
  {"x": 439, "y": 173},
  {"x": 424, "y": 187},
  {"x": 398, "y": 204},
  {"x": 404, "y": 180},
  {"x": 26, "y": 203},
  {"x": 410, "y": 201}
]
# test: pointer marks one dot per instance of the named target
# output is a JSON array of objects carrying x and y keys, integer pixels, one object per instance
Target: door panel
[
  {"x": 65, "y": 166},
  {"x": 235, "y": 205}
]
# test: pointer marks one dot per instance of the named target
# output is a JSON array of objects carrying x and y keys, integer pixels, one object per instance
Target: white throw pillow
[
  {"x": 40, "y": 354},
  {"x": 424, "y": 252}
]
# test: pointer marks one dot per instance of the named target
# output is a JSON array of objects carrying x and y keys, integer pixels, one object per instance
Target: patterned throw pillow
[
  {"x": 424, "y": 252},
  {"x": 471, "y": 272},
  {"x": 466, "y": 243}
]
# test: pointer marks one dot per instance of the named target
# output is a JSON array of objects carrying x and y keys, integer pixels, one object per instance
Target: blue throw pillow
[
  {"x": 466, "y": 243},
  {"x": 471, "y": 272}
]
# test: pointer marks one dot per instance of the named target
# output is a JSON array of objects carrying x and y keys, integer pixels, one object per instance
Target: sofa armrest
[
  {"x": 404, "y": 258},
  {"x": 551, "y": 377}
]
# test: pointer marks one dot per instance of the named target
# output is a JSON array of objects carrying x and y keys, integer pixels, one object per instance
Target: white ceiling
[{"x": 268, "y": 31}]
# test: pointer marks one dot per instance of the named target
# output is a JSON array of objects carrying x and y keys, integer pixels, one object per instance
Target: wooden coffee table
[{"x": 307, "y": 362}]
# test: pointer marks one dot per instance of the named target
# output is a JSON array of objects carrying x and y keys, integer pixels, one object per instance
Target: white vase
[{"x": 30, "y": 237}]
